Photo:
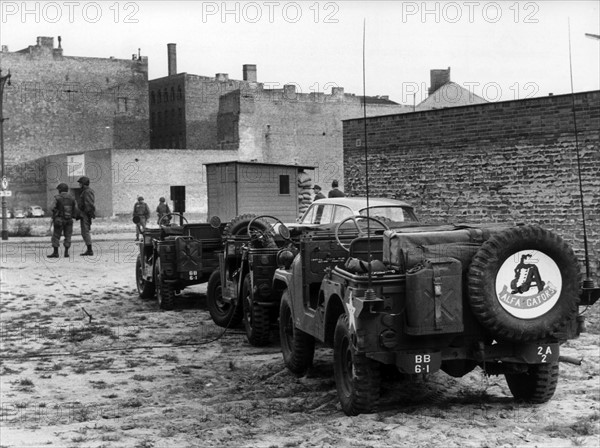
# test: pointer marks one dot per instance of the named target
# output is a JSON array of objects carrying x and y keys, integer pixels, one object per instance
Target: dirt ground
[{"x": 86, "y": 363}]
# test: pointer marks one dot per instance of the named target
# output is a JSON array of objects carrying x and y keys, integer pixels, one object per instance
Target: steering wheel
[
  {"x": 168, "y": 215},
  {"x": 361, "y": 232},
  {"x": 266, "y": 236}
]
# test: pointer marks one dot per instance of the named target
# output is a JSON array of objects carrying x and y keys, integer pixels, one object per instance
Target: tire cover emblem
[{"x": 528, "y": 284}]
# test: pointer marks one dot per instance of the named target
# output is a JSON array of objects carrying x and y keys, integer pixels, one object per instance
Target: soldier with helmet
[
  {"x": 64, "y": 209},
  {"x": 87, "y": 210},
  {"x": 141, "y": 214},
  {"x": 162, "y": 210}
]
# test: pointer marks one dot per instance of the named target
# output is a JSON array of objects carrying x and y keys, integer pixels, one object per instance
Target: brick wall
[
  {"x": 59, "y": 104},
  {"x": 282, "y": 126},
  {"x": 512, "y": 161}
]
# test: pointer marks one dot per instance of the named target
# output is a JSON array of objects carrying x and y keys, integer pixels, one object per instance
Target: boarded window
[{"x": 284, "y": 184}]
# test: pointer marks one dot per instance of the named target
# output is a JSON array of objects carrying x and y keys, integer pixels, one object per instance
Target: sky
[{"x": 499, "y": 50}]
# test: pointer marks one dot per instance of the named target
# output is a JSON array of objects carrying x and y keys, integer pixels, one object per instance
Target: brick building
[
  {"x": 184, "y": 107},
  {"x": 59, "y": 104},
  {"x": 511, "y": 161},
  {"x": 266, "y": 125}
]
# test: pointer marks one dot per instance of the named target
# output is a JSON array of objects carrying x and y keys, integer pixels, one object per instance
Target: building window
[
  {"x": 179, "y": 94},
  {"x": 152, "y": 117},
  {"x": 179, "y": 116},
  {"x": 172, "y": 116},
  {"x": 172, "y": 93},
  {"x": 152, "y": 98},
  {"x": 166, "y": 95},
  {"x": 284, "y": 184},
  {"x": 159, "y": 120},
  {"x": 158, "y": 99}
]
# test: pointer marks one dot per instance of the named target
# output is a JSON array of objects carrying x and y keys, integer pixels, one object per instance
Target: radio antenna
[
  {"x": 369, "y": 256},
  {"x": 588, "y": 282}
]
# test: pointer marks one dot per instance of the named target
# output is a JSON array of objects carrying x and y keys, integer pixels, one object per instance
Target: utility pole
[{"x": 3, "y": 81}]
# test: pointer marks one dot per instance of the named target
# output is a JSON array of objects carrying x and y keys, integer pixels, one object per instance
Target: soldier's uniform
[
  {"x": 142, "y": 212},
  {"x": 64, "y": 209},
  {"x": 162, "y": 210},
  {"x": 87, "y": 210}
]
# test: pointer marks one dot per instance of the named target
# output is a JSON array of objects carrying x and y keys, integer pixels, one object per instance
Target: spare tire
[
  {"x": 239, "y": 225},
  {"x": 523, "y": 284}
]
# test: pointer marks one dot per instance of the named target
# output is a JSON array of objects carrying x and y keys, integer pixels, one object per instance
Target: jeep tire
[
  {"x": 524, "y": 313},
  {"x": 165, "y": 294},
  {"x": 256, "y": 317},
  {"x": 357, "y": 378},
  {"x": 146, "y": 289},
  {"x": 537, "y": 385},
  {"x": 297, "y": 347},
  {"x": 239, "y": 225},
  {"x": 224, "y": 314}
]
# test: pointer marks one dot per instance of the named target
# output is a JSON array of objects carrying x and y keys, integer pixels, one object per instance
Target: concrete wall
[
  {"x": 151, "y": 172},
  {"x": 59, "y": 104},
  {"x": 512, "y": 161}
]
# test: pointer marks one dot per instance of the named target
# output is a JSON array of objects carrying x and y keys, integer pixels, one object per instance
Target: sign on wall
[{"x": 76, "y": 165}]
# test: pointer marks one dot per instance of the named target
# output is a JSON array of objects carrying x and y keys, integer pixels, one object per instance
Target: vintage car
[
  {"x": 18, "y": 213},
  {"x": 335, "y": 210},
  {"x": 34, "y": 211}
]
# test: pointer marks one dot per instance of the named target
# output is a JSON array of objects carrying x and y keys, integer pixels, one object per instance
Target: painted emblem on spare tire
[{"x": 528, "y": 284}]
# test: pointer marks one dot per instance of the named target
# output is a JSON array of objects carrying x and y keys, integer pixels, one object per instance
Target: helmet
[
  {"x": 140, "y": 198},
  {"x": 161, "y": 200},
  {"x": 62, "y": 187},
  {"x": 84, "y": 180}
]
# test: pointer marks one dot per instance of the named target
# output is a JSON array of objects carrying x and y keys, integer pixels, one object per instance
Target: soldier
[
  {"x": 64, "y": 209},
  {"x": 87, "y": 211},
  {"x": 141, "y": 214},
  {"x": 162, "y": 209}
]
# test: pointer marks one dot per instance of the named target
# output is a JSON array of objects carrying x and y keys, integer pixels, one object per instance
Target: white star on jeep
[{"x": 351, "y": 309}]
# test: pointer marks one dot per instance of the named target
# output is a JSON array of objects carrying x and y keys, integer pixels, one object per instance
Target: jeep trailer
[
  {"x": 426, "y": 298},
  {"x": 174, "y": 257}
]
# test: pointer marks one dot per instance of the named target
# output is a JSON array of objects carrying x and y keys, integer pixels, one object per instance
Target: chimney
[
  {"x": 249, "y": 71},
  {"x": 172, "y": 55},
  {"x": 438, "y": 79}
]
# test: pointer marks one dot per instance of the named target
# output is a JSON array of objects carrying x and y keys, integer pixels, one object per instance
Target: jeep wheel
[
  {"x": 224, "y": 314},
  {"x": 165, "y": 294},
  {"x": 145, "y": 288},
  {"x": 256, "y": 317},
  {"x": 535, "y": 386},
  {"x": 297, "y": 347},
  {"x": 523, "y": 284},
  {"x": 357, "y": 378},
  {"x": 239, "y": 225}
]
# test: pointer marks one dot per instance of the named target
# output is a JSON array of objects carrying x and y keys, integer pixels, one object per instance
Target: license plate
[
  {"x": 417, "y": 363},
  {"x": 193, "y": 275},
  {"x": 539, "y": 353}
]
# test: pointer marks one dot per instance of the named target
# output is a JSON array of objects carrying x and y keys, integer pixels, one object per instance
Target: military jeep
[
  {"x": 240, "y": 290},
  {"x": 421, "y": 298},
  {"x": 174, "y": 257}
]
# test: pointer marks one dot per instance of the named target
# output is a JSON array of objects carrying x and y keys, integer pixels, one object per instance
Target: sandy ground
[{"x": 86, "y": 363}]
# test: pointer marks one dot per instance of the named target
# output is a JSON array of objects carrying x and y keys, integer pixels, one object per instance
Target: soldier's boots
[
  {"x": 66, "y": 252},
  {"x": 53, "y": 254},
  {"x": 88, "y": 252}
]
